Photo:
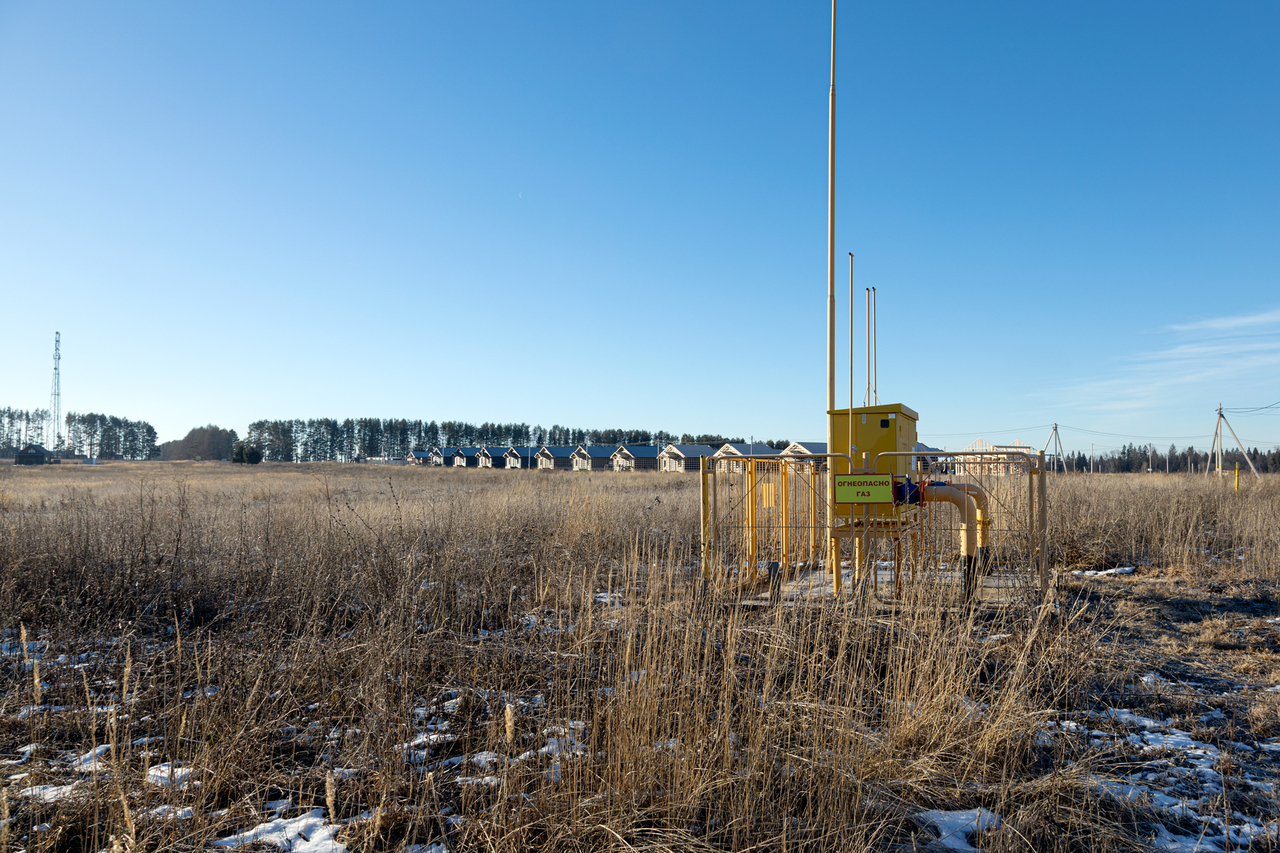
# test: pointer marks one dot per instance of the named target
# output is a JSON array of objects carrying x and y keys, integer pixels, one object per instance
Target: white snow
[
  {"x": 1098, "y": 573},
  {"x": 49, "y": 793},
  {"x": 90, "y": 762},
  {"x": 170, "y": 812},
  {"x": 492, "y": 781},
  {"x": 24, "y": 751},
  {"x": 1181, "y": 781},
  {"x": 954, "y": 828},
  {"x": 31, "y": 710},
  {"x": 309, "y": 833},
  {"x": 1153, "y": 680},
  {"x": 169, "y": 775}
]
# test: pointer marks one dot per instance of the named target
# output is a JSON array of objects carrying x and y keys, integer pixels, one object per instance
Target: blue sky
[{"x": 598, "y": 215}]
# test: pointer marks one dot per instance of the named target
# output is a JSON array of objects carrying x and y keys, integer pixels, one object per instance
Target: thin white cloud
[
  {"x": 1205, "y": 356},
  {"x": 1221, "y": 324},
  {"x": 1207, "y": 350}
]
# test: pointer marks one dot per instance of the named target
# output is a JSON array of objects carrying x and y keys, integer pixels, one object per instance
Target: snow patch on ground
[
  {"x": 1178, "y": 776},
  {"x": 170, "y": 776},
  {"x": 49, "y": 793},
  {"x": 955, "y": 827},
  {"x": 91, "y": 761},
  {"x": 309, "y": 833},
  {"x": 1099, "y": 573}
]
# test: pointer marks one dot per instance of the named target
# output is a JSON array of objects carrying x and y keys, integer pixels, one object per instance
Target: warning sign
[{"x": 864, "y": 488}]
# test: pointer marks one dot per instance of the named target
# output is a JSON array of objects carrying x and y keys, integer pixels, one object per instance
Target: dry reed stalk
[{"x": 37, "y": 689}]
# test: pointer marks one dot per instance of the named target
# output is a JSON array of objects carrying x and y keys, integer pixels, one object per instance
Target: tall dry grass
[
  {"x": 1181, "y": 521},
  {"x": 296, "y": 632}
]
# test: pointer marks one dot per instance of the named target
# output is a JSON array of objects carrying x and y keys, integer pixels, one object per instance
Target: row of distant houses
[{"x": 626, "y": 457}]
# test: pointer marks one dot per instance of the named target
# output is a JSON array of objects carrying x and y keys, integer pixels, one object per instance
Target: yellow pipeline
[
  {"x": 968, "y": 507},
  {"x": 969, "y": 530},
  {"x": 980, "y": 500}
]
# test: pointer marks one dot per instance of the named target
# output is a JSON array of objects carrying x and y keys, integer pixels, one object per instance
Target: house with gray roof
[
  {"x": 555, "y": 458},
  {"x": 724, "y": 456},
  {"x": 525, "y": 458},
  {"x": 593, "y": 457},
  {"x": 683, "y": 457},
  {"x": 467, "y": 457},
  {"x": 35, "y": 454},
  {"x": 635, "y": 457}
]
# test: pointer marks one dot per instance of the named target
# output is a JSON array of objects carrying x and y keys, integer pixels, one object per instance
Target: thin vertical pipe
[
  {"x": 866, "y": 401},
  {"x": 831, "y": 274}
]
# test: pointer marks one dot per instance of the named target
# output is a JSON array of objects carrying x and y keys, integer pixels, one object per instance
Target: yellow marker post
[
  {"x": 785, "y": 568},
  {"x": 705, "y": 511},
  {"x": 1237, "y": 476},
  {"x": 752, "y": 567}
]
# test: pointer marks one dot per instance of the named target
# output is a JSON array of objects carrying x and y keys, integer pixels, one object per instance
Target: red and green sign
[{"x": 864, "y": 488}]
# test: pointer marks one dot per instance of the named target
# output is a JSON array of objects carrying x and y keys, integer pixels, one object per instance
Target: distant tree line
[
  {"x": 1138, "y": 458},
  {"x": 101, "y": 436},
  {"x": 717, "y": 440},
  {"x": 314, "y": 440},
  {"x": 206, "y": 442},
  {"x": 20, "y": 427},
  {"x": 331, "y": 440}
]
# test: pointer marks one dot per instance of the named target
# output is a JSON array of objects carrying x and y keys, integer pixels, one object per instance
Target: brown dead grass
[{"x": 271, "y": 626}]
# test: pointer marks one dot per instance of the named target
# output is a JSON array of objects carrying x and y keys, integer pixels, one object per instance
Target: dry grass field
[{"x": 328, "y": 657}]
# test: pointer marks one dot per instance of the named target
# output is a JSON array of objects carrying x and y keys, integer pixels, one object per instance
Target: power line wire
[
  {"x": 1255, "y": 410},
  {"x": 985, "y": 432},
  {"x": 1126, "y": 435}
]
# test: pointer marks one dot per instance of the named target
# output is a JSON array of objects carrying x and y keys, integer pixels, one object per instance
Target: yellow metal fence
[{"x": 768, "y": 529}]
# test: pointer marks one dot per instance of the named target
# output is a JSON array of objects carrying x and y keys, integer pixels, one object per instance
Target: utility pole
[
  {"x": 1217, "y": 443},
  {"x": 1058, "y": 453}
]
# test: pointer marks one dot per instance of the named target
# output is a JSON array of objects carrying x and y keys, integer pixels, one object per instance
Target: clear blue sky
[{"x": 605, "y": 215}]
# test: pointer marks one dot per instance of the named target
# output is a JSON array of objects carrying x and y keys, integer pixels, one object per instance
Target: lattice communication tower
[{"x": 55, "y": 395}]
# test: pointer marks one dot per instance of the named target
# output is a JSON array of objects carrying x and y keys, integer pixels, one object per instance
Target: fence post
[
  {"x": 752, "y": 542},
  {"x": 815, "y": 484},
  {"x": 785, "y": 498},
  {"x": 1042, "y": 530}
]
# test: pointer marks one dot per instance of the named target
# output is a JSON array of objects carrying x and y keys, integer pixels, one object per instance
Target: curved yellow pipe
[
  {"x": 980, "y": 500},
  {"x": 963, "y": 501}
]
